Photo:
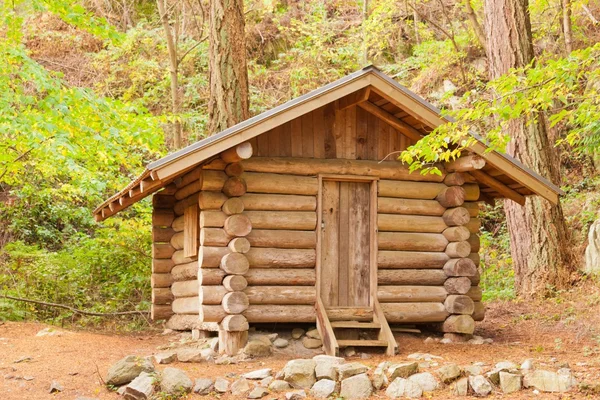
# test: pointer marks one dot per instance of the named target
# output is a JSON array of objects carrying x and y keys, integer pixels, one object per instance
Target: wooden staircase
[{"x": 348, "y": 322}]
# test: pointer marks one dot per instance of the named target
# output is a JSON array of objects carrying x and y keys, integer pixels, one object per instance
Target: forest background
[{"x": 91, "y": 91}]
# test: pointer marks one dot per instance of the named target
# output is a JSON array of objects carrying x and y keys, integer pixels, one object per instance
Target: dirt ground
[{"x": 552, "y": 333}]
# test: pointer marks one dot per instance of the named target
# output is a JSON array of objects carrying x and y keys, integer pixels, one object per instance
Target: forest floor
[{"x": 553, "y": 332}]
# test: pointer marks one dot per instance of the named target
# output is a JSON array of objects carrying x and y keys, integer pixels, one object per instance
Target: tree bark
[
  {"x": 228, "y": 104},
  {"x": 567, "y": 26},
  {"x": 539, "y": 238},
  {"x": 479, "y": 33}
]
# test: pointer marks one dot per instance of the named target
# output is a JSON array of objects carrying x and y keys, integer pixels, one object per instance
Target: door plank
[
  {"x": 330, "y": 243},
  {"x": 344, "y": 272},
  {"x": 359, "y": 222}
]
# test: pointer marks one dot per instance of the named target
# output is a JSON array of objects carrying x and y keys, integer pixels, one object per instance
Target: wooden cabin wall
[
  {"x": 352, "y": 133},
  {"x": 162, "y": 264}
]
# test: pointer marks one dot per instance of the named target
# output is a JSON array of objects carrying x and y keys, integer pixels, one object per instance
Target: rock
[
  {"x": 327, "y": 366},
  {"x": 55, "y": 387},
  {"x": 423, "y": 356},
  {"x": 425, "y": 380},
  {"x": 592, "y": 251},
  {"x": 165, "y": 358},
  {"x": 279, "y": 386},
  {"x": 273, "y": 336},
  {"x": 221, "y": 385},
  {"x": 480, "y": 385},
  {"x": 257, "y": 348},
  {"x": 356, "y": 387},
  {"x": 323, "y": 388},
  {"x": 49, "y": 332},
  {"x": 429, "y": 339},
  {"x": 258, "y": 393},
  {"x": 349, "y": 352},
  {"x": 351, "y": 369},
  {"x": 23, "y": 359},
  {"x": 262, "y": 338},
  {"x": 380, "y": 379},
  {"x": 510, "y": 383},
  {"x": 458, "y": 337},
  {"x": 461, "y": 387},
  {"x": 280, "y": 343},
  {"x": 313, "y": 334},
  {"x": 446, "y": 341},
  {"x": 547, "y": 381},
  {"x": 311, "y": 343},
  {"x": 141, "y": 388},
  {"x": 203, "y": 386},
  {"x": 121, "y": 390},
  {"x": 86, "y": 398},
  {"x": 295, "y": 395},
  {"x": 476, "y": 341},
  {"x": 473, "y": 370},
  {"x": 402, "y": 370},
  {"x": 527, "y": 364},
  {"x": 493, "y": 376},
  {"x": 240, "y": 387},
  {"x": 175, "y": 382},
  {"x": 265, "y": 382},
  {"x": 213, "y": 344},
  {"x": 300, "y": 373},
  {"x": 167, "y": 332},
  {"x": 506, "y": 366},
  {"x": 401, "y": 387},
  {"x": 208, "y": 354},
  {"x": 127, "y": 369},
  {"x": 258, "y": 374},
  {"x": 448, "y": 373},
  {"x": 190, "y": 356},
  {"x": 297, "y": 333}
]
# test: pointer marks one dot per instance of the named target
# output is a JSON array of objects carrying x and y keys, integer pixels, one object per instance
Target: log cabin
[{"x": 303, "y": 214}]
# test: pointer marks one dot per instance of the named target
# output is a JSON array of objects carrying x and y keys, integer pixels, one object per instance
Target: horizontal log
[
  {"x": 280, "y": 184},
  {"x": 211, "y": 295},
  {"x": 471, "y": 191},
  {"x": 350, "y": 314},
  {"x": 179, "y": 258},
  {"x": 211, "y": 200},
  {"x": 210, "y": 257},
  {"x": 432, "y": 277},
  {"x": 410, "y": 190},
  {"x": 181, "y": 205},
  {"x": 210, "y": 276},
  {"x": 281, "y": 294},
  {"x": 185, "y": 288},
  {"x": 283, "y": 220},
  {"x": 281, "y": 258},
  {"x": 281, "y": 276},
  {"x": 234, "y": 205},
  {"x": 278, "y": 202},
  {"x": 409, "y": 241},
  {"x": 186, "y": 305},
  {"x": 465, "y": 164},
  {"x": 460, "y": 267},
  {"x": 209, "y": 181},
  {"x": 235, "y": 186},
  {"x": 186, "y": 179},
  {"x": 459, "y": 304},
  {"x": 239, "y": 245},
  {"x": 163, "y": 201},
  {"x": 411, "y": 259},
  {"x": 162, "y": 250},
  {"x": 475, "y": 293},
  {"x": 456, "y": 216},
  {"x": 234, "y": 323},
  {"x": 410, "y": 223},
  {"x": 242, "y": 151},
  {"x": 162, "y": 217},
  {"x": 391, "y": 205},
  {"x": 279, "y": 313},
  {"x": 474, "y": 241},
  {"x": 214, "y": 237},
  {"x": 479, "y": 311},
  {"x": 212, "y": 219},
  {"x": 235, "y": 283},
  {"x": 458, "y": 249},
  {"x": 161, "y": 234},
  {"x": 411, "y": 313},
  {"x": 458, "y": 285},
  {"x": 181, "y": 322},
  {"x": 454, "y": 179},
  {"x": 315, "y": 166},
  {"x": 177, "y": 241},
  {"x": 162, "y": 266},
  {"x": 178, "y": 223},
  {"x": 235, "y": 302},
  {"x": 411, "y": 294},
  {"x": 161, "y": 280},
  {"x": 476, "y": 258},
  {"x": 162, "y": 296},
  {"x": 234, "y": 169},
  {"x": 282, "y": 239},
  {"x": 473, "y": 208},
  {"x": 208, "y": 313},
  {"x": 475, "y": 278},
  {"x": 451, "y": 196},
  {"x": 235, "y": 264},
  {"x": 237, "y": 225},
  {"x": 185, "y": 272},
  {"x": 458, "y": 324},
  {"x": 456, "y": 233},
  {"x": 160, "y": 312}
]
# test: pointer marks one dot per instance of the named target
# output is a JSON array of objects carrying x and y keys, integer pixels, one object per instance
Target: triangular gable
[{"x": 163, "y": 171}]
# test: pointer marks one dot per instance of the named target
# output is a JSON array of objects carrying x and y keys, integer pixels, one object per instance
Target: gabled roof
[{"x": 163, "y": 171}]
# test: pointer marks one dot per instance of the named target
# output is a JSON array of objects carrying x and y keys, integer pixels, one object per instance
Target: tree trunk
[
  {"x": 567, "y": 26},
  {"x": 479, "y": 33},
  {"x": 539, "y": 239},
  {"x": 228, "y": 79}
]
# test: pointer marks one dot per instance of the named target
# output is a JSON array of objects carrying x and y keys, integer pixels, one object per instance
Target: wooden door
[{"x": 345, "y": 244}]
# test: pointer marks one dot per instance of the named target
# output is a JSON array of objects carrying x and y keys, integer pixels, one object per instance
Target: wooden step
[
  {"x": 355, "y": 325},
  {"x": 362, "y": 343},
  {"x": 350, "y": 314}
]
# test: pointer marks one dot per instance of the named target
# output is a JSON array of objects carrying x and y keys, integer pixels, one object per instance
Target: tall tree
[
  {"x": 228, "y": 79},
  {"x": 539, "y": 239}
]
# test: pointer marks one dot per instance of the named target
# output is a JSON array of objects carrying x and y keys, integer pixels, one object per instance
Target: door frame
[{"x": 372, "y": 180}]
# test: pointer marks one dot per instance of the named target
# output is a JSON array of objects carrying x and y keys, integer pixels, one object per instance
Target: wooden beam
[
  {"x": 403, "y": 127},
  {"x": 354, "y": 98},
  {"x": 466, "y": 164},
  {"x": 499, "y": 186}
]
